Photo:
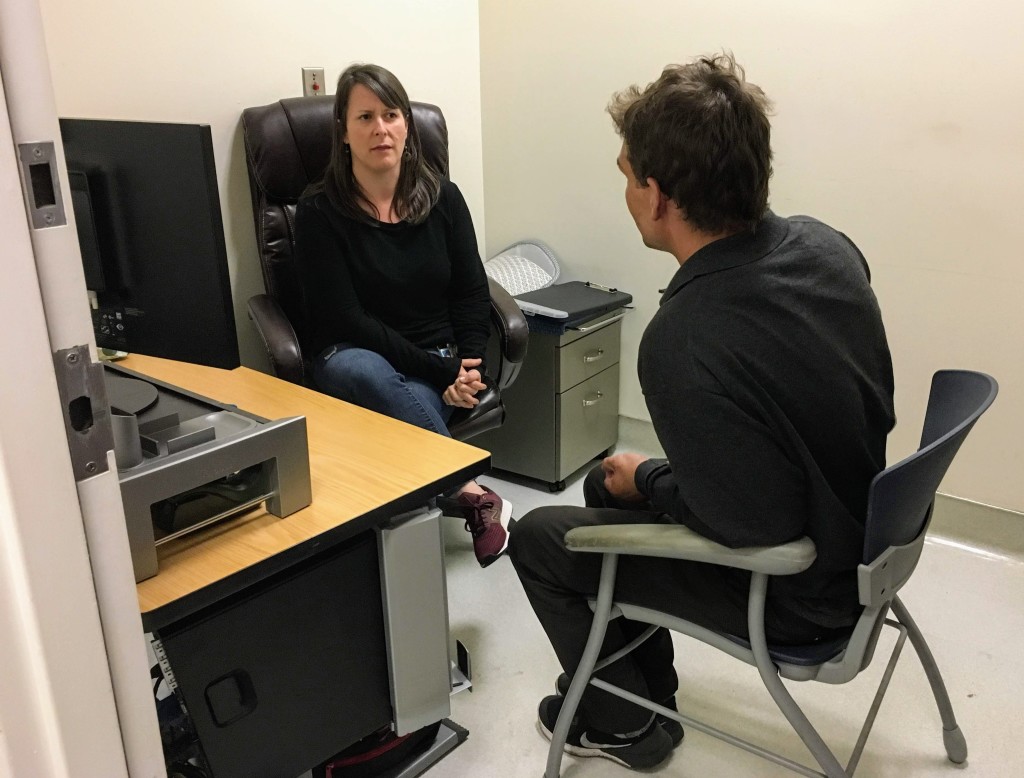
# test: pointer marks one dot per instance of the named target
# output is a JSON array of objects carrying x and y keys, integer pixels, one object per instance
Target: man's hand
[
  {"x": 620, "y": 475},
  {"x": 462, "y": 392}
]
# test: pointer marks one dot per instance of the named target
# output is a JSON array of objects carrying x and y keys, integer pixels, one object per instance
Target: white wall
[
  {"x": 900, "y": 123},
  {"x": 203, "y": 62}
]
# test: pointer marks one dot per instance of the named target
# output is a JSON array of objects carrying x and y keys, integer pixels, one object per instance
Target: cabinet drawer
[
  {"x": 588, "y": 356},
  {"x": 588, "y": 420}
]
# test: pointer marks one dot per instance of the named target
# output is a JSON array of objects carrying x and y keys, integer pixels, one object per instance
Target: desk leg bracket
[{"x": 461, "y": 670}]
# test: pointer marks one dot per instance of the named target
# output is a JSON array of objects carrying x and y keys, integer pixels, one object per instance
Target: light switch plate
[{"x": 313, "y": 82}]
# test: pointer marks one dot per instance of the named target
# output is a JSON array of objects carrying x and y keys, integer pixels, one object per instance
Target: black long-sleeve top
[
  {"x": 395, "y": 289},
  {"x": 768, "y": 377}
]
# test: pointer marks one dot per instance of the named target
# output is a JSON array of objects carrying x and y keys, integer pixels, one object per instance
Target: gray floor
[{"x": 965, "y": 596}]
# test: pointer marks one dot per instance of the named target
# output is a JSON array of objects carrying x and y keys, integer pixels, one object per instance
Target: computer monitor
[{"x": 152, "y": 239}]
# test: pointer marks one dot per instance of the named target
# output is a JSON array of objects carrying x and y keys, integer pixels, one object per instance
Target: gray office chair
[{"x": 899, "y": 510}]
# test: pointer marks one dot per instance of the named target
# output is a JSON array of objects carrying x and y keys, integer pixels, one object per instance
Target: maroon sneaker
[{"x": 486, "y": 516}]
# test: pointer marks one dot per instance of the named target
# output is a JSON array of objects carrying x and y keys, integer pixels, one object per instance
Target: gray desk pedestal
[{"x": 415, "y": 601}]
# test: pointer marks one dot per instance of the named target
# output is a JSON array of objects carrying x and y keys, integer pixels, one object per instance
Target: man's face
[{"x": 637, "y": 199}]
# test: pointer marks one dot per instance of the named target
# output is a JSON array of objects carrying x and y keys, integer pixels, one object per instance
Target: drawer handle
[
  {"x": 600, "y": 325},
  {"x": 593, "y": 356},
  {"x": 592, "y": 400}
]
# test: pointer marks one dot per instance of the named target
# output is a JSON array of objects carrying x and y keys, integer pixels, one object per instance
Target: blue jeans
[{"x": 367, "y": 379}]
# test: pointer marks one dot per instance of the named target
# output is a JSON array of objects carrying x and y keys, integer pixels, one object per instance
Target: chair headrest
[{"x": 288, "y": 143}]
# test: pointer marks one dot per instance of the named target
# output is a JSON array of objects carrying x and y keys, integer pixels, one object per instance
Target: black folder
[{"x": 572, "y": 301}]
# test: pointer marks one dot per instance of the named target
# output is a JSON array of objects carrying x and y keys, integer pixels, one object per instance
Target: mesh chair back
[
  {"x": 287, "y": 147},
  {"x": 902, "y": 496}
]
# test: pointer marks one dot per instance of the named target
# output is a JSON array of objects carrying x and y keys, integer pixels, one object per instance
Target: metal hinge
[{"x": 83, "y": 399}]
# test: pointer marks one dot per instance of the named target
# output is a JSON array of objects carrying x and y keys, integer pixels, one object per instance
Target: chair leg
[
  {"x": 581, "y": 677},
  {"x": 952, "y": 737},
  {"x": 770, "y": 676}
]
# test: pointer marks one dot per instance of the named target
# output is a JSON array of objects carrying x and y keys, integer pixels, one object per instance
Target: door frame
[{"x": 75, "y": 696}]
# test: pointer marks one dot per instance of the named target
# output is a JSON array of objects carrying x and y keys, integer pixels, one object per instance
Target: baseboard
[
  {"x": 986, "y": 527},
  {"x": 638, "y": 435}
]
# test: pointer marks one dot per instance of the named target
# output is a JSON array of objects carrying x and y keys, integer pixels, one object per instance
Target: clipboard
[{"x": 575, "y": 300}]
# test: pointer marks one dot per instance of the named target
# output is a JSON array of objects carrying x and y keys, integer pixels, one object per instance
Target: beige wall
[
  {"x": 899, "y": 123},
  {"x": 203, "y": 62}
]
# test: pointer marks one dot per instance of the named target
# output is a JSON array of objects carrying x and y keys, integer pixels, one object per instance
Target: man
[{"x": 769, "y": 383}]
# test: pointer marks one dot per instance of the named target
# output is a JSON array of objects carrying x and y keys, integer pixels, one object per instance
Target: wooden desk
[
  {"x": 229, "y": 584},
  {"x": 365, "y": 467}
]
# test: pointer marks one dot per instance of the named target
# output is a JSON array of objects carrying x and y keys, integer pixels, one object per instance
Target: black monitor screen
[{"x": 149, "y": 225}]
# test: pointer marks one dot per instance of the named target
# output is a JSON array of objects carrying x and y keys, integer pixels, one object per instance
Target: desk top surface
[{"x": 359, "y": 462}]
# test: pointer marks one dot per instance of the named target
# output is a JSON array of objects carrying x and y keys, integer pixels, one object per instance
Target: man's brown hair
[{"x": 702, "y": 132}]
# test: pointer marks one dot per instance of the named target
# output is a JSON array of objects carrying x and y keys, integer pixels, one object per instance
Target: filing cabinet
[{"x": 563, "y": 409}]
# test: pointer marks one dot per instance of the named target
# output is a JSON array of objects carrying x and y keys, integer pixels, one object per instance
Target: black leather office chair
[{"x": 287, "y": 145}]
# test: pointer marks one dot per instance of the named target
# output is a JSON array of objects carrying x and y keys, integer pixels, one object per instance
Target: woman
[{"x": 397, "y": 298}]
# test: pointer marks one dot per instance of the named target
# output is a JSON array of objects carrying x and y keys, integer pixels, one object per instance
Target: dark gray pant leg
[
  {"x": 558, "y": 582},
  {"x": 654, "y": 657}
]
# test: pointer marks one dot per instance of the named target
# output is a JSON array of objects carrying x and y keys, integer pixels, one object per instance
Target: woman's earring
[
  {"x": 347, "y": 149},
  {"x": 407, "y": 153}
]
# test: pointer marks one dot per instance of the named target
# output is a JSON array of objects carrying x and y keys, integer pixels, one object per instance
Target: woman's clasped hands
[{"x": 462, "y": 392}]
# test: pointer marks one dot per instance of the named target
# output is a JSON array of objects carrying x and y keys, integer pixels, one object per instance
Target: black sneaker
[
  {"x": 639, "y": 751},
  {"x": 672, "y": 727}
]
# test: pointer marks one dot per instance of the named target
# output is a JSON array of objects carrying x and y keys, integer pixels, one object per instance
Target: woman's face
[{"x": 374, "y": 133}]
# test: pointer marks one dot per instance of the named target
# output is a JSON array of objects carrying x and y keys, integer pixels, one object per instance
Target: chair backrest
[
  {"x": 287, "y": 147},
  {"x": 900, "y": 506},
  {"x": 902, "y": 496}
]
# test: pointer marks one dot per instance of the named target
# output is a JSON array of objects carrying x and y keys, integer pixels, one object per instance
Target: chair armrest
[
  {"x": 674, "y": 541},
  {"x": 513, "y": 332},
  {"x": 279, "y": 338}
]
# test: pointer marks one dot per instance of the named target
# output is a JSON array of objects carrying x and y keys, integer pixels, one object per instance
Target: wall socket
[{"x": 313, "y": 82}]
